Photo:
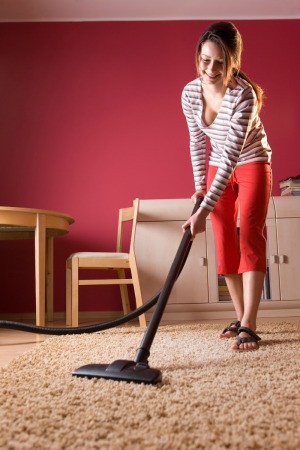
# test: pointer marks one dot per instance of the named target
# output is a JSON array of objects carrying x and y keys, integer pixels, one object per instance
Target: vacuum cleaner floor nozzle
[{"x": 121, "y": 370}]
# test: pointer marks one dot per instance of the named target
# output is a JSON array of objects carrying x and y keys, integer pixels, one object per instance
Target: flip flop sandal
[
  {"x": 233, "y": 327},
  {"x": 253, "y": 337}
]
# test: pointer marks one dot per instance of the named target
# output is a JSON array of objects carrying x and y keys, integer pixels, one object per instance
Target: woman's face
[{"x": 211, "y": 63}]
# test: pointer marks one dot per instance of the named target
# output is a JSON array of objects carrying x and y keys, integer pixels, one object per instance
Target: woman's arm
[{"x": 197, "y": 139}]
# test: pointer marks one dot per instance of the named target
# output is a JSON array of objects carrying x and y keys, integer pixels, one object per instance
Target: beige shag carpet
[{"x": 210, "y": 398}]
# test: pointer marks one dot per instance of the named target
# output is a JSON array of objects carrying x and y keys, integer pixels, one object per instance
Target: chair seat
[{"x": 99, "y": 255}]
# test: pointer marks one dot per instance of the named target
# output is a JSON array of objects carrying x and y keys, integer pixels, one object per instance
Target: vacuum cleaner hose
[
  {"x": 84, "y": 329},
  {"x": 98, "y": 326}
]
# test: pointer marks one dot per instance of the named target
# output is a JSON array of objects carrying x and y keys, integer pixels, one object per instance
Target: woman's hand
[
  {"x": 197, "y": 222},
  {"x": 196, "y": 195}
]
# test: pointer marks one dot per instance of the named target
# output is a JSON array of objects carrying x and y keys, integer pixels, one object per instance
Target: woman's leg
[
  {"x": 223, "y": 220},
  {"x": 235, "y": 287},
  {"x": 254, "y": 181},
  {"x": 252, "y": 289}
]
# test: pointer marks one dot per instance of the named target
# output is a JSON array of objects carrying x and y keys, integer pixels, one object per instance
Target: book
[
  {"x": 290, "y": 191},
  {"x": 290, "y": 182}
]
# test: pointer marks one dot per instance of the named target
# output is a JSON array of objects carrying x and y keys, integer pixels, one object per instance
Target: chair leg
[
  {"x": 138, "y": 293},
  {"x": 124, "y": 293},
  {"x": 49, "y": 278},
  {"x": 68, "y": 295},
  {"x": 74, "y": 292}
]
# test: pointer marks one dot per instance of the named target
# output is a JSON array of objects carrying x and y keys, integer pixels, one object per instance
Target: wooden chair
[{"x": 117, "y": 261}]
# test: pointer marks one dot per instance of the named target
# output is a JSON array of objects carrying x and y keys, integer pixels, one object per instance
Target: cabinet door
[
  {"x": 288, "y": 231},
  {"x": 213, "y": 286},
  {"x": 156, "y": 244},
  {"x": 273, "y": 259}
]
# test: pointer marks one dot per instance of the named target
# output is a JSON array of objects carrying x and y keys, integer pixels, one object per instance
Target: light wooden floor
[{"x": 14, "y": 343}]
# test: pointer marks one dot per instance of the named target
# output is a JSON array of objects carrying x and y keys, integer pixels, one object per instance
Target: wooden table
[{"x": 42, "y": 226}]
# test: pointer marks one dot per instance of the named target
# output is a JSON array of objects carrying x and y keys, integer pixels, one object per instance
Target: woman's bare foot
[
  {"x": 245, "y": 340},
  {"x": 231, "y": 330}
]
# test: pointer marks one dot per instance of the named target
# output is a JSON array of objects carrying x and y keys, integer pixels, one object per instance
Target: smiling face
[{"x": 211, "y": 66}]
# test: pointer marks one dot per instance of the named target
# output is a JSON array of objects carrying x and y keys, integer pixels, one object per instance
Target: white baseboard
[{"x": 178, "y": 312}]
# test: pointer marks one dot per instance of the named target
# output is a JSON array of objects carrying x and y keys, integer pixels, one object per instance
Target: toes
[
  {"x": 235, "y": 346},
  {"x": 244, "y": 346},
  {"x": 227, "y": 334}
]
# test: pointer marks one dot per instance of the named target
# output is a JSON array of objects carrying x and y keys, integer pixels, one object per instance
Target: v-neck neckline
[{"x": 204, "y": 124}]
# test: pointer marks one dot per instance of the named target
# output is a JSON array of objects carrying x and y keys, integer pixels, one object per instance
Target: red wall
[{"x": 91, "y": 118}]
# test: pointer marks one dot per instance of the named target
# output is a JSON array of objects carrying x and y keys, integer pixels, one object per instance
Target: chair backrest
[{"x": 126, "y": 215}]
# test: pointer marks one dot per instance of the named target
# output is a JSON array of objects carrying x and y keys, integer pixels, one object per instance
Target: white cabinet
[
  {"x": 196, "y": 292},
  {"x": 284, "y": 249},
  {"x": 158, "y": 235}
]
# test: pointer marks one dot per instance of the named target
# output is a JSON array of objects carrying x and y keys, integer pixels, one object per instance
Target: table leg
[
  {"x": 49, "y": 281},
  {"x": 40, "y": 268}
]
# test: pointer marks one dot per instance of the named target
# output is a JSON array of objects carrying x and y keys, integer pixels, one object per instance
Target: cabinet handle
[
  {"x": 282, "y": 259},
  {"x": 202, "y": 261},
  {"x": 274, "y": 259}
]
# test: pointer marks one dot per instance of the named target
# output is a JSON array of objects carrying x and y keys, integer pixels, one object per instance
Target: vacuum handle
[
  {"x": 197, "y": 204},
  {"x": 143, "y": 351}
]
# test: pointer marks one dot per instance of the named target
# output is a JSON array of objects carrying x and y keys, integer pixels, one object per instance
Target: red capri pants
[{"x": 248, "y": 190}]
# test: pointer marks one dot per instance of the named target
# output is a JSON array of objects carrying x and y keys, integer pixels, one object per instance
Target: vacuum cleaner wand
[{"x": 138, "y": 370}]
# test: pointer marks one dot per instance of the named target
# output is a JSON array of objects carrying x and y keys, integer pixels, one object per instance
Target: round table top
[
  {"x": 21, "y": 223},
  {"x": 13, "y": 209}
]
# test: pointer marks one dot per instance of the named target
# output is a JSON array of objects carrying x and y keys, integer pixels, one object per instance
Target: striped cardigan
[{"x": 236, "y": 135}]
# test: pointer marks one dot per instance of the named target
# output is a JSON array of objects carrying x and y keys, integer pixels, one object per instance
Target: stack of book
[
  {"x": 290, "y": 186},
  {"x": 224, "y": 295}
]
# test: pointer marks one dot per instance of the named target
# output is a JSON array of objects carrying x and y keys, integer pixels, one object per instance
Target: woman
[{"x": 222, "y": 105}]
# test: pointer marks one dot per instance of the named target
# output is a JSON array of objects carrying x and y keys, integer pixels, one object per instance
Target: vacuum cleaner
[{"x": 138, "y": 370}]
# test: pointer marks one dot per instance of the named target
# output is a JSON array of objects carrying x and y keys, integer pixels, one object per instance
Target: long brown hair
[{"x": 227, "y": 36}]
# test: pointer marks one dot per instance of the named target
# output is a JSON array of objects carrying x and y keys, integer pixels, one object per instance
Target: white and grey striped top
[{"x": 236, "y": 135}]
